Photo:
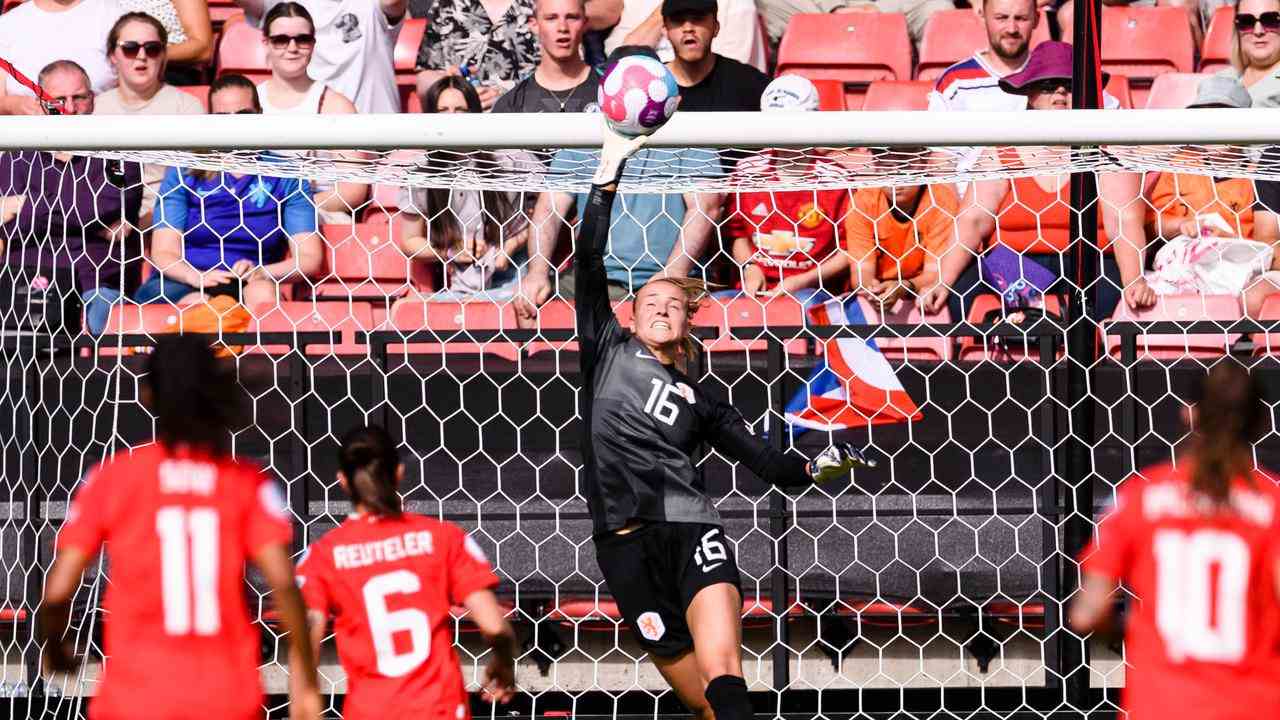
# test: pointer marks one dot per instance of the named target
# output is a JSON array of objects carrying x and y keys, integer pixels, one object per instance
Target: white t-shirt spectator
[
  {"x": 355, "y": 47},
  {"x": 972, "y": 84},
  {"x": 31, "y": 38},
  {"x": 739, "y": 37}
]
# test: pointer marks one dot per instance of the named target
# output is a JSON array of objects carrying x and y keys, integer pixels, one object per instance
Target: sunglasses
[
  {"x": 246, "y": 111},
  {"x": 1270, "y": 22},
  {"x": 130, "y": 49},
  {"x": 281, "y": 41},
  {"x": 1051, "y": 85}
]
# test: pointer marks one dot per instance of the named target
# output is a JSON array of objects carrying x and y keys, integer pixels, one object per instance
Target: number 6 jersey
[
  {"x": 389, "y": 584},
  {"x": 1203, "y": 638}
]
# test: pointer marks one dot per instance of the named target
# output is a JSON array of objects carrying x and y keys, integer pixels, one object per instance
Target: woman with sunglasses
[
  {"x": 1255, "y": 55},
  {"x": 190, "y": 35},
  {"x": 137, "y": 47},
  {"x": 289, "y": 35}
]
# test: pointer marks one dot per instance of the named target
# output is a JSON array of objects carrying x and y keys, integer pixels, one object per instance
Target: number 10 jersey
[
  {"x": 389, "y": 583},
  {"x": 1203, "y": 637}
]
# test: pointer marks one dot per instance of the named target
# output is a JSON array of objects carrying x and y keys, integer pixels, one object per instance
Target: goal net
[{"x": 384, "y": 263}]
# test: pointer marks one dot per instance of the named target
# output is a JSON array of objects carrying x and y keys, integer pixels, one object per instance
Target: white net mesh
[{"x": 948, "y": 567}]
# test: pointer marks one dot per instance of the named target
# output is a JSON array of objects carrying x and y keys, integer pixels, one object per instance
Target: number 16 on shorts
[{"x": 710, "y": 553}]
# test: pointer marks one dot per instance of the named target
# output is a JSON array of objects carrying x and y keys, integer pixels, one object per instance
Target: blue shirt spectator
[
  {"x": 649, "y": 232},
  {"x": 225, "y": 234}
]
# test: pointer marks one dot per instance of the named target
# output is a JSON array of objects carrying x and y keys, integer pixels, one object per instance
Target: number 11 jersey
[
  {"x": 1203, "y": 636},
  {"x": 389, "y": 584}
]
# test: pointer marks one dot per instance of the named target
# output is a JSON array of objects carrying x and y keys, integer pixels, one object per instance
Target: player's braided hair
[
  {"x": 1229, "y": 415},
  {"x": 695, "y": 293},
  {"x": 370, "y": 460},
  {"x": 194, "y": 395}
]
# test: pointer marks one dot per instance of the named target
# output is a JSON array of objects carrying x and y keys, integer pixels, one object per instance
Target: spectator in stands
[
  {"x": 39, "y": 32},
  {"x": 777, "y": 13},
  {"x": 222, "y": 233},
  {"x": 137, "y": 48},
  {"x": 896, "y": 237},
  {"x": 974, "y": 83},
  {"x": 492, "y": 45},
  {"x": 354, "y": 49},
  {"x": 72, "y": 211},
  {"x": 788, "y": 242},
  {"x": 1255, "y": 54},
  {"x": 190, "y": 35},
  {"x": 289, "y": 35},
  {"x": 562, "y": 81},
  {"x": 650, "y": 232},
  {"x": 736, "y": 33},
  {"x": 708, "y": 81},
  {"x": 478, "y": 235},
  {"x": 1029, "y": 215}
]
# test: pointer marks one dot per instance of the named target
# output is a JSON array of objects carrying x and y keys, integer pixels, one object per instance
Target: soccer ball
[{"x": 638, "y": 95}]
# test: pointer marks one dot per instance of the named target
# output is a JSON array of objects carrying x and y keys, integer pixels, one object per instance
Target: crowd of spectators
[{"x": 207, "y": 233}]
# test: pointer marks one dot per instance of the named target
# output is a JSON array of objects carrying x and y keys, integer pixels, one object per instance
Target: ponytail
[
  {"x": 369, "y": 461},
  {"x": 1229, "y": 415}
]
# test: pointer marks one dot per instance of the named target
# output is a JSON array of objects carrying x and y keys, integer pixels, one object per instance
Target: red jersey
[
  {"x": 1204, "y": 640},
  {"x": 793, "y": 230},
  {"x": 179, "y": 528},
  {"x": 389, "y": 584}
]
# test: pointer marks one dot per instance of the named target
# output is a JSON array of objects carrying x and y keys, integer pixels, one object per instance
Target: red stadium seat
[
  {"x": 830, "y": 94},
  {"x": 199, "y": 92},
  {"x": 412, "y": 314},
  {"x": 856, "y": 48},
  {"x": 1118, "y": 88},
  {"x": 1268, "y": 344},
  {"x": 364, "y": 263},
  {"x": 1174, "y": 90},
  {"x": 555, "y": 315},
  {"x": 1215, "y": 55},
  {"x": 220, "y": 11},
  {"x": 1027, "y": 615},
  {"x": 746, "y": 312},
  {"x": 935, "y": 349},
  {"x": 898, "y": 95},
  {"x": 953, "y": 35},
  {"x": 241, "y": 50},
  {"x": 1014, "y": 349},
  {"x": 289, "y": 317},
  {"x": 130, "y": 319},
  {"x": 1180, "y": 308},
  {"x": 405, "y": 55},
  {"x": 383, "y": 205},
  {"x": 1143, "y": 42}
]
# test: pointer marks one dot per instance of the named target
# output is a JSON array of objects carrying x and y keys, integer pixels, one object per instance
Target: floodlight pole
[{"x": 1082, "y": 356}]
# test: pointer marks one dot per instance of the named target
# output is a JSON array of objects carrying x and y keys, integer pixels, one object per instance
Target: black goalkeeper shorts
[{"x": 655, "y": 570}]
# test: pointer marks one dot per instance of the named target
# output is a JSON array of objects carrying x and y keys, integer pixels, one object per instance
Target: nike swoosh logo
[
  {"x": 709, "y": 568},
  {"x": 641, "y": 354}
]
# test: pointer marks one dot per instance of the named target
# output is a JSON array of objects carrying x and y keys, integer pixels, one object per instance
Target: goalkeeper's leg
[{"x": 715, "y": 621}]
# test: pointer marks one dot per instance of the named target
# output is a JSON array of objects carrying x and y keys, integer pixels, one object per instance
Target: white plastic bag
[{"x": 1209, "y": 265}]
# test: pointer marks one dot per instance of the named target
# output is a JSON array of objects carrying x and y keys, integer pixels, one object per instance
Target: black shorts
[{"x": 655, "y": 570}]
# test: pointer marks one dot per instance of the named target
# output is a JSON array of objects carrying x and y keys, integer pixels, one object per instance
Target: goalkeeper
[{"x": 659, "y": 539}]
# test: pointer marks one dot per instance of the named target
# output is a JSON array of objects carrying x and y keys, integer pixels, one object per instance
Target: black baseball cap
[{"x": 672, "y": 8}]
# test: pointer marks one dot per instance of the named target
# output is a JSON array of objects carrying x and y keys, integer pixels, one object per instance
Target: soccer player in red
[
  {"x": 389, "y": 579},
  {"x": 1199, "y": 545},
  {"x": 180, "y": 518}
]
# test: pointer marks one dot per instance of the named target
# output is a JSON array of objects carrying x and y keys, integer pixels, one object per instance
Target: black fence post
[
  {"x": 1082, "y": 356},
  {"x": 775, "y": 359}
]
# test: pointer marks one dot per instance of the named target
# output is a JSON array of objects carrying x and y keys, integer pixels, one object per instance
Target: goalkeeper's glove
[
  {"x": 836, "y": 462},
  {"x": 613, "y": 155}
]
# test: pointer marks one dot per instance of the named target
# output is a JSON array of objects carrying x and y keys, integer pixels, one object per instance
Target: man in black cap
[{"x": 708, "y": 81}]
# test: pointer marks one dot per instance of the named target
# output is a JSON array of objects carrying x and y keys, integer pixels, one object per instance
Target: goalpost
[{"x": 946, "y": 568}]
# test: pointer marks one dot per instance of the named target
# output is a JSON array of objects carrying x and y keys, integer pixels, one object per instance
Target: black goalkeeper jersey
[{"x": 646, "y": 421}]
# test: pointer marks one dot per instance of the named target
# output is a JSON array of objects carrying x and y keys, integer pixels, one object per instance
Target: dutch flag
[{"x": 852, "y": 385}]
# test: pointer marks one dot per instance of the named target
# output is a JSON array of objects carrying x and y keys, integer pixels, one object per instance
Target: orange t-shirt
[
  {"x": 1032, "y": 219},
  {"x": 901, "y": 247},
  {"x": 1183, "y": 195}
]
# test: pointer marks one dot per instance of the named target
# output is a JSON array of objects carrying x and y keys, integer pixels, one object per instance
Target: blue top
[
  {"x": 226, "y": 218},
  {"x": 644, "y": 226}
]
